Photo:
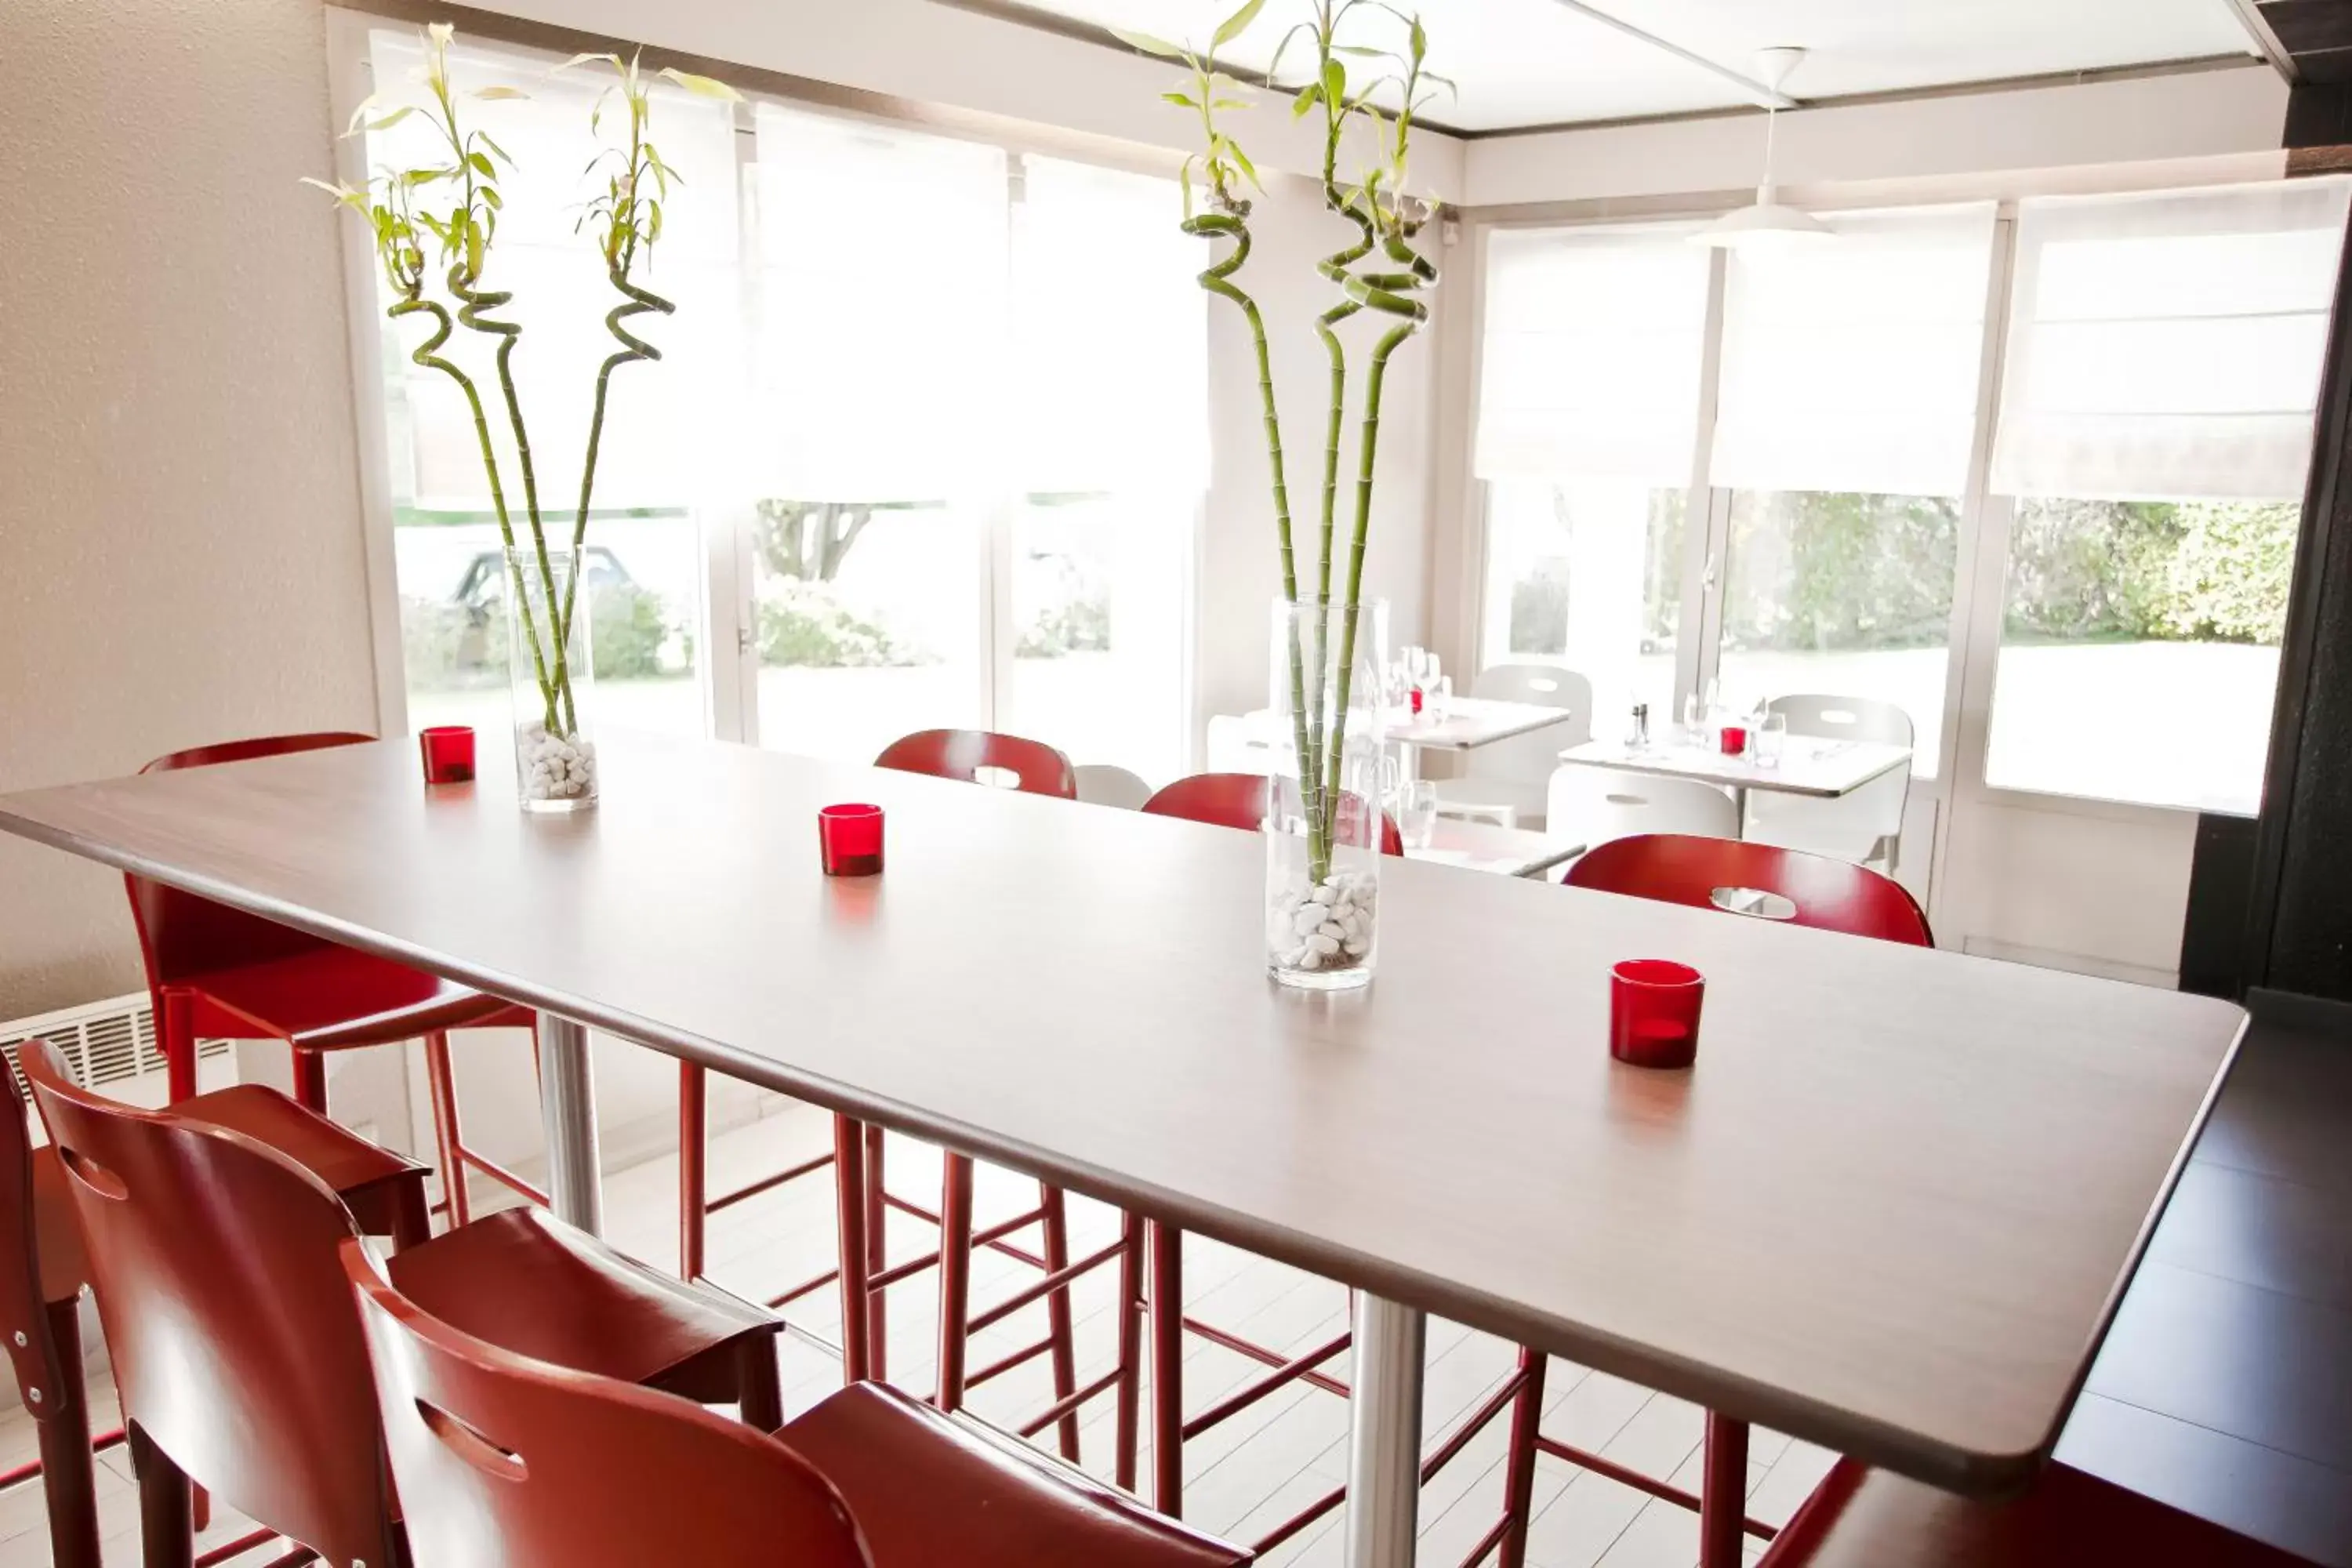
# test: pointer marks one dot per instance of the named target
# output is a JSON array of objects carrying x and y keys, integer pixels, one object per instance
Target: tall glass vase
[
  {"x": 1323, "y": 826},
  {"x": 547, "y": 654}
]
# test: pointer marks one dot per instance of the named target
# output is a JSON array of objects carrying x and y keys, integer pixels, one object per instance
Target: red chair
[
  {"x": 1239, "y": 800},
  {"x": 1682, "y": 868},
  {"x": 213, "y": 970},
  {"x": 43, "y": 1271},
  {"x": 1036, "y": 767},
  {"x": 502, "y": 1462},
  {"x": 865, "y": 1200},
  {"x": 252, "y": 1379},
  {"x": 1829, "y": 895},
  {"x": 1862, "y": 1518}
]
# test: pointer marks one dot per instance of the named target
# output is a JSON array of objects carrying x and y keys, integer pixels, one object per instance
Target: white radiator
[{"x": 109, "y": 1045}]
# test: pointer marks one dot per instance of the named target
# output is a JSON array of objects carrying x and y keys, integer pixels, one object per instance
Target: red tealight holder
[
  {"x": 448, "y": 752},
  {"x": 1653, "y": 1012},
  {"x": 849, "y": 839},
  {"x": 1733, "y": 738}
]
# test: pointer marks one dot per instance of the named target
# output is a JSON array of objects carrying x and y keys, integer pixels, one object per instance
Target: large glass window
[
  {"x": 1847, "y": 412},
  {"x": 1589, "y": 407},
  {"x": 946, "y": 404},
  {"x": 2156, "y": 427}
]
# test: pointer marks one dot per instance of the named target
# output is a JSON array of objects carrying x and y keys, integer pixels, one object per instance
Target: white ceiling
[{"x": 1536, "y": 62}]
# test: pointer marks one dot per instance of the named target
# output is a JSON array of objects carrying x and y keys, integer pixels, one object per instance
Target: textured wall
[{"x": 180, "y": 555}]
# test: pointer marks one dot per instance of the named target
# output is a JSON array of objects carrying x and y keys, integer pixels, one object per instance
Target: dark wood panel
[
  {"x": 1889, "y": 1211},
  {"x": 2309, "y": 26}
]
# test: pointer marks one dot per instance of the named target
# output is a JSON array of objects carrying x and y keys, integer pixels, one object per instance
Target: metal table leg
[
  {"x": 1384, "y": 1434},
  {"x": 567, "y": 1102}
]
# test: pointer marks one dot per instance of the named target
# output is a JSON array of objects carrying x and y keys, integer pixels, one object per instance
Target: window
[
  {"x": 945, "y": 405},
  {"x": 644, "y": 566},
  {"x": 983, "y": 378},
  {"x": 1844, "y": 424},
  {"x": 2163, "y": 366},
  {"x": 1588, "y": 425}
]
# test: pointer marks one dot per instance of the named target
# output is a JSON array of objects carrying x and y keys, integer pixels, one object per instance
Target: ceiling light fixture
[{"x": 1769, "y": 222}]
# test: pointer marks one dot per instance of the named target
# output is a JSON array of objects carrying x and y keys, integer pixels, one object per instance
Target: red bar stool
[
  {"x": 1240, "y": 801},
  {"x": 43, "y": 1271},
  {"x": 213, "y": 970},
  {"x": 505, "y": 1463},
  {"x": 1862, "y": 1518},
  {"x": 1821, "y": 893},
  {"x": 1825, "y": 893},
  {"x": 253, "y": 1380},
  {"x": 865, "y": 1201}
]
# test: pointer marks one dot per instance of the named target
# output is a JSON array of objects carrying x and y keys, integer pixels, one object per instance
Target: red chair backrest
[
  {"x": 1682, "y": 869},
  {"x": 24, "y": 1306},
  {"x": 504, "y": 1460},
  {"x": 182, "y": 935},
  {"x": 1238, "y": 800},
  {"x": 962, "y": 753},
  {"x": 226, "y": 1313}
]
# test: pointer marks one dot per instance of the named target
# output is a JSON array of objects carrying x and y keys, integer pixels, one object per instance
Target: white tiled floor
[{"x": 1240, "y": 1479}]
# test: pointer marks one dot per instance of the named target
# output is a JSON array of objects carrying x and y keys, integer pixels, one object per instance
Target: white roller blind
[
  {"x": 883, "y": 304},
  {"x": 2167, "y": 346},
  {"x": 1109, "y": 353},
  {"x": 1594, "y": 347},
  {"x": 1851, "y": 364}
]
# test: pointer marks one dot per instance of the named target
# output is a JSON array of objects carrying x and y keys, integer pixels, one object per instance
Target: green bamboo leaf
[
  {"x": 1335, "y": 82},
  {"x": 1181, "y": 100},
  {"x": 702, "y": 86},
  {"x": 1308, "y": 97},
  {"x": 1361, "y": 52},
  {"x": 480, "y": 164},
  {"x": 492, "y": 200},
  {"x": 1228, "y": 103},
  {"x": 1419, "y": 38},
  {"x": 1233, "y": 27},
  {"x": 498, "y": 93},
  {"x": 1148, "y": 44},
  {"x": 1241, "y": 160},
  {"x": 576, "y": 60},
  {"x": 474, "y": 244}
]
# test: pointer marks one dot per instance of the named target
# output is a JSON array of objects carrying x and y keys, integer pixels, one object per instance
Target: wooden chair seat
[
  {"x": 931, "y": 1488},
  {"x": 1864, "y": 1518},
  {"x": 529, "y": 1283}
]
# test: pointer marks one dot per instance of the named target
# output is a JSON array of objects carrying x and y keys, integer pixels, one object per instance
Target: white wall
[
  {"x": 2222, "y": 112},
  {"x": 180, "y": 552}
]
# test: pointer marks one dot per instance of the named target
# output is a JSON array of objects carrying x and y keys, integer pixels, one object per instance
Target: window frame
[{"x": 1980, "y": 577}]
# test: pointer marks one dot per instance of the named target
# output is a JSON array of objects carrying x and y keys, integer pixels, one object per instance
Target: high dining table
[
  {"x": 1891, "y": 1210},
  {"x": 1809, "y": 766}
]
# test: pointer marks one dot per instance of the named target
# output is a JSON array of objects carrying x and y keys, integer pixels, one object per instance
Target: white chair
[
  {"x": 1236, "y": 747},
  {"x": 1099, "y": 783},
  {"x": 1864, "y": 828},
  {"x": 1596, "y": 805},
  {"x": 1504, "y": 783}
]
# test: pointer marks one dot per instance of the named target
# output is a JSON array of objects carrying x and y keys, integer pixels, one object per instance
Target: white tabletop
[
  {"x": 1485, "y": 846},
  {"x": 1469, "y": 722},
  {"x": 1823, "y": 769}
]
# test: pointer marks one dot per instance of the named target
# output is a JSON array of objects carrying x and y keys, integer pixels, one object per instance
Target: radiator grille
[{"x": 106, "y": 1042}]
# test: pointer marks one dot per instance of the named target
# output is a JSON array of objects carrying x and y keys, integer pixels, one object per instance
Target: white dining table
[
  {"x": 1466, "y": 724},
  {"x": 1486, "y": 847},
  {"x": 1891, "y": 1211},
  {"x": 1818, "y": 768}
]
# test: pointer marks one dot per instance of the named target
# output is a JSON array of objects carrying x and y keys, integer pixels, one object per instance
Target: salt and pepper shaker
[{"x": 1639, "y": 740}]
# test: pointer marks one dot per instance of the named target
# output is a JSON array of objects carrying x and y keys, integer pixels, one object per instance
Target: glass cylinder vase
[
  {"x": 548, "y": 616},
  {"x": 1324, "y": 823}
]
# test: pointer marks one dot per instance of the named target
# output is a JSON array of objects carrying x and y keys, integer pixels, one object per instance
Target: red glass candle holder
[
  {"x": 448, "y": 752},
  {"x": 849, "y": 839},
  {"x": 1733, "y": 738},
  {"x": 1653, "y": 1012}
]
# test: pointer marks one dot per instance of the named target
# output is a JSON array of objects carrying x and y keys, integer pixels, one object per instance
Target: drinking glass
[
  {"x": 1771, "y": 740},
  {"x": 1653, "y": 1007},
  {"x": 1694, "y": 720},
  {"x": 1417, "y": 812}
]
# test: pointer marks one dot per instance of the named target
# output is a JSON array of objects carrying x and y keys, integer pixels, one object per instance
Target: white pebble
[{"x": 1322, "y": 944}]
